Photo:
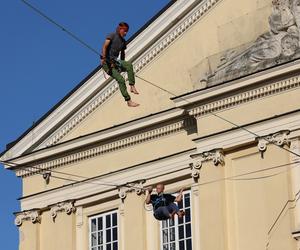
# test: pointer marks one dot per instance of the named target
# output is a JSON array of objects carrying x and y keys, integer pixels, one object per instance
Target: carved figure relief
[{"x": 278, "y": 45}]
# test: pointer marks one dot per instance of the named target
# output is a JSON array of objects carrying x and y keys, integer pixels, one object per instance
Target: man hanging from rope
[
  {"x": 163, "y": 204},
  {"x": 113, "y": 46}
]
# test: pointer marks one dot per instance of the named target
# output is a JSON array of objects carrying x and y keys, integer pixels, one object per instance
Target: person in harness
[
  {"x": 113, "y": 46},
  {"x": 163, "y": 204}
]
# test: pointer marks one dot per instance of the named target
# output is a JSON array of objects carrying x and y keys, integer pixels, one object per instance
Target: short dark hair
[{"x": 123, "y": 24}]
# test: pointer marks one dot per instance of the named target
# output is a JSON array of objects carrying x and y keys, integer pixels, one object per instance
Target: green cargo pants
[{"x": 114, "y": 71}]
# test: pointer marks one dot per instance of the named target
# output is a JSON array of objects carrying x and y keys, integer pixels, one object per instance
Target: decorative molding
[
  {"x": 32, "y": 215},
  {"x": 109, "y": 147},
  {"x": 296, "y": 235},
  {"x": 280, "y": 138},
  {"x": 146, "y": 58},
  {"x": 137, "y": 187},
  {"x": 215, "y": 155},
  {"x": 66, "y": 206},
  {"x": 247, "y": 96}
]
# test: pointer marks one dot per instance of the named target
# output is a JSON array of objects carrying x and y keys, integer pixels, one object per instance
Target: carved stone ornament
[
  {"x": 280, "y": 44},
  {"x": 216, "y": 156},
  {"x": 138, "y": 187},
  {"x": 67, "y": 207},
  {"x": 279, "y": 138},
  {"x": 32, "y": 215}
]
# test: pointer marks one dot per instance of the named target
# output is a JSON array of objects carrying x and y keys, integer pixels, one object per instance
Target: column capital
[
  {"x": 215, "y": 155},
  {"x": 65, "y": 206},
  {"x": 31, "y": 215}
]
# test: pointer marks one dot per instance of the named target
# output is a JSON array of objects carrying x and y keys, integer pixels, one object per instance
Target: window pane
[
  {"x": 114, "y": 219},
  {"x": 115, "y": 234},
  {"x": 100, "y": 248},
  {"x": 189, "y": 244},
  {"x": 172, "y": 246},
  {"x": 188, "y": 215},
  {"x": 115, "y": 246},
  {"x": 108, "y": 220},
  {"x": 165, "y": 236},
  {"x": 181, "y": 232},
  {"x": 100, "y": 238},
  {"x": 164, "y": 224},
  {"x": 166, "y": 247},
  {"x": 181, "y": 245},
  {"x": 108, "y": 247},
  {"x": 108, "y": 235},
  {"x": 94, "y": 239},
  {"x": 172, "y": 234},
  {"x": 93, "y": 225},
  {"x": 100, "y": 223},
  {"x": 187, "y": 200},
  {"x": 188, "y": 230}
]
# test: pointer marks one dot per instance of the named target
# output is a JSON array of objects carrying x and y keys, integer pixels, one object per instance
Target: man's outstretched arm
[
  {"x": 148, "y": 198},
  {"x": 179, "y": 196}
]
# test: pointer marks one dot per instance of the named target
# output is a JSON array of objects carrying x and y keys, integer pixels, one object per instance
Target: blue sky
[{"x": 40, "y": 64}]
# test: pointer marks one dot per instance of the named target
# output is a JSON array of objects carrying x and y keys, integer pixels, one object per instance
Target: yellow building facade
[{"x": 219, "y": 116}]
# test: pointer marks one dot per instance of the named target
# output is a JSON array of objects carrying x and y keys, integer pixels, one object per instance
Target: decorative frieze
[
  {"x": 66, "y": 206},
  {"x": 32, "y": 215},
  {"x": 279, "y": 138},
  {"x": 147, "y": 57},
  {"x": 246, "y": 96},
  {"x": 137, "y": 187},
  {"x": 112, "y": 146},
  {"x": 215, "y": 155}
]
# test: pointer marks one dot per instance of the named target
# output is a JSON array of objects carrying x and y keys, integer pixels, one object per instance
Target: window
[
  {"x": 104, "y": 231},
  {"x": 177, "y": 234}
]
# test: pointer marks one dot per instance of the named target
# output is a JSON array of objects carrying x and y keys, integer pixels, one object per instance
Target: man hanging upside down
[
  {"x": 114, "y": 45},
  {"x": 163, "y": 204}
]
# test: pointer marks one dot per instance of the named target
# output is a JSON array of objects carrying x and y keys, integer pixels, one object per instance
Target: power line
[
  {"x": 231, "y": 178},
  {"x": 35, "y": 9}
]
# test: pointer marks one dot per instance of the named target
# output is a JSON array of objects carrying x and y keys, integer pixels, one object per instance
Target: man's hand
[
  {"x": 148, "y": 198},
  {"x": 102, "y": 61}
]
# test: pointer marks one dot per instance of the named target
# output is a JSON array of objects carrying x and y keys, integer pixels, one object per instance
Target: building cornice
[
  {"x": 131, "y": 134},
  {"x": 97, "y": 89},
  {"x": 284, "y": 128}
]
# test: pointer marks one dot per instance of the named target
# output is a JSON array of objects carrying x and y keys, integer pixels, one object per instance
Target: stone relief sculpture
[{"x": 278, "y": 45}]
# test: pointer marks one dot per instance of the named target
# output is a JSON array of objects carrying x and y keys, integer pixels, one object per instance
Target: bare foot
[
  {"x": 133, "y": 90},
  {"x": 180, "y": 214},
  {"x": 132, "y": 104}
]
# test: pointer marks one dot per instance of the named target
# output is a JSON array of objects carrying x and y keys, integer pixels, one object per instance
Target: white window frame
[
  {"x": 176, "y": 225},
  {"x": 104, "y": 228}
]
